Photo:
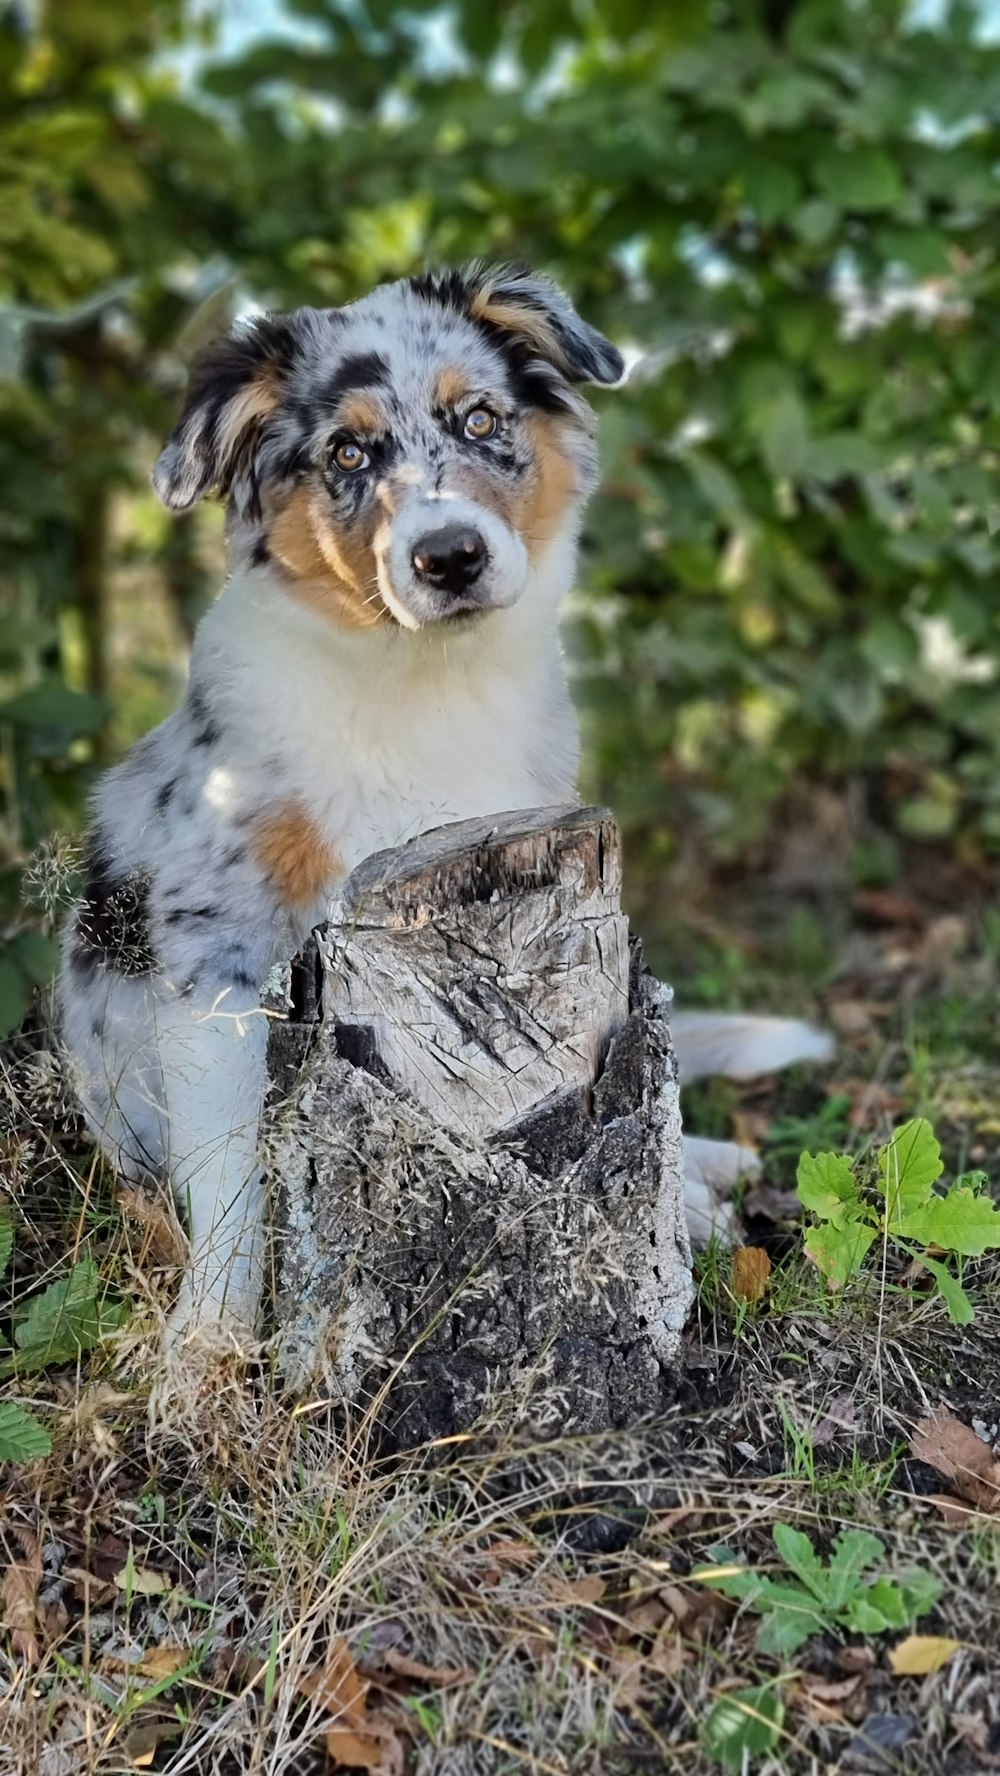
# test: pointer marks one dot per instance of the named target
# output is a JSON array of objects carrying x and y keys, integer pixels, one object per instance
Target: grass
[{"x": 203, "y": 1593}]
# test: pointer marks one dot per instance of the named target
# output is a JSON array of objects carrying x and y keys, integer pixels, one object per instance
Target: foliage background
[{"x": 787, "y": 637}]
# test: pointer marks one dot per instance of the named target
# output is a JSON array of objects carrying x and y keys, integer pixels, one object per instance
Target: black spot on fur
[
  {"x": 235, "y": 854},
  {"x": 207, "y": 730},
  {"x": 360, "y": 370},
  {"x": 260, "y": 553},
  {"x": 243, "y": 980},
  {"x": 181, "y": 914},
  {"x": 164, "y": 795},
  {"x": 112, "y": 921}
]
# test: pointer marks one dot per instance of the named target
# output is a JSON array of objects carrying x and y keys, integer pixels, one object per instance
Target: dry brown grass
[{"x": 171, "y": 1594}]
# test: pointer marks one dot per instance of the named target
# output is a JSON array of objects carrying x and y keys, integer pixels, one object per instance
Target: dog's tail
[{"x": 740, "y": 1046}]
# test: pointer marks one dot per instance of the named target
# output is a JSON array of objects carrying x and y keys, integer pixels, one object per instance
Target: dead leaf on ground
[
  {"x": 143, "y": 1740},
  {"x": 441, "y": 1676},
  {"x": 94, "y": 1593},
  {"x": 920, "y": 1654},
  {"x": 142, "y": 1581},
  {"x": 856, "y": 1658},
  {"x": 574, "y": 1591},
  {"x": 665, "y": 1522},
  {"x": 337, "y": 1686},
  {"x": 508, "y": 1554},
  {"x": 358, "y": 1739},
  {"x": 19, "y": 1597},
  {"x": 378, "y": 1750},
  {"x": 163, "y": 1238},
  {"x": 697, "y": 1613},
  {"x": 829, "y": 1691},
  {"x": 851, "y": 1017},
  {"x": 156, "y": 1662},
  {"x": 889, "y": 906},
  {"x": 751, "y": 1270},
  {"x": 952, "y": 1448}
]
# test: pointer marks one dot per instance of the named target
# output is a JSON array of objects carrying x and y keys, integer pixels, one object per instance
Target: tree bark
[{"x": 479, "y": 1165}]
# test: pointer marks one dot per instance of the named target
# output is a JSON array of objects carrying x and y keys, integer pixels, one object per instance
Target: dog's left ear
[
  {"x": 533, "y": 310},
  {"x": 234, "y": 387}
]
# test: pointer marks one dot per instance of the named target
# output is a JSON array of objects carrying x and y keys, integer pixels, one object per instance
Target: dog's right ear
[{"x": 235, "y": 385}]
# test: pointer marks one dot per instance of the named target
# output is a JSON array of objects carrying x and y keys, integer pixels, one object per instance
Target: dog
[{"x": 405, "y": 480}]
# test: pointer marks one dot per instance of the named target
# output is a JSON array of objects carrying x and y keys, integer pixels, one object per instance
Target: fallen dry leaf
[
  {"x": 830, "y": 1692},
  {"x": 337, "y": 1686},
  {"x": 441, "y": 1676},
  {"x": 919, "y": 1654},
  {"x": 751, "y": 1269},
  {"x": 19, "y": 1597},
  {"x": 951, "y": 1448},
  {"x": 142, "y": 1581},
  {"x": 164, "y": 1241},
  {"x": 142, "y": 1742},
  {"x": 667, "y": 1653},
  {"x": 157, "y": 1661},
  {"x": 377, "y": 1750},
  {"x": 574, "y": 1591},
  {"x": 94, "y": 1593}
]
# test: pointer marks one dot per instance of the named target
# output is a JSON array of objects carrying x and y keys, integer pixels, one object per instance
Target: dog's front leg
[{"x": 213, "y": 1058}]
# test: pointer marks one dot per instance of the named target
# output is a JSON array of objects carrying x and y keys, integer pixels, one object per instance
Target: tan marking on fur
[
  {"x": 331, "y": 571},
  {"x": 297, "y": 861},
  {"x": 542, "y": 508},
  {"x": 253, "y": 403},
  {"x": 452, "y": 387},
  {"x": 513, "y": 318},
  {"x": 360, "y": 413}
]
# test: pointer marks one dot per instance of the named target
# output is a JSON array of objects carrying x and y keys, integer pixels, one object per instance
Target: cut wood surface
[{"x": 479, "y": 1171}]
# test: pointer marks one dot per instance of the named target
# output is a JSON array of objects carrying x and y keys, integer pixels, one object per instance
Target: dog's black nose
[{"x": 450, "y": 559}]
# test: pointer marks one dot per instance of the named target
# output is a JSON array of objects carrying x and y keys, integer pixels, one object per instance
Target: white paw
[{"x": 711, "y": 1171}]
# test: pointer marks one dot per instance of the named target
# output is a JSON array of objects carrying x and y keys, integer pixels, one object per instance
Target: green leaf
[
  {"x": 783, "y": 430},
  {"x": 22, "y": 1438},
  {"x": 67, "y": 1318},
  {"x": 36, "y": 956},
  {"x": 920, "y": 1588},
  {"x": 908, "y": 1168},
  {"x": 742, "y": 1725},
  {"x": 827, "y": 1186},
  {"x": 839, "y": 1252},
  {"x": 13, "y": 996},
  {"x": 963, "y": 1221},
  {"x": 960, "y": 1308},
  {"x": 798, "y": 1553},
  {"x": 853, "y": 1551},
  {"x": 883, "y": 1597},
  {"x": 6, "y": 1241},
  {"x": 860, "y": 179},
  {"x": 788, "y": 1624}
]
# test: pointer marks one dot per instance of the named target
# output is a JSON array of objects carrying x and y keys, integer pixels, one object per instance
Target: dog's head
[{"x": 410, "y": 458}]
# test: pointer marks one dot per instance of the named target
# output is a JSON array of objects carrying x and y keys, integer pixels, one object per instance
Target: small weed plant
[
  {"x": 55, "y": 1326},
  {"x": 846, "y": 1594},
  {"x": 891, "y": 1198}
]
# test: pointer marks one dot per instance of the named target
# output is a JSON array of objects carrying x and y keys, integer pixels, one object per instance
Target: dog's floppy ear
[
  {"x": 534, "y": 311},
  {"x": 234, "y": 387}
]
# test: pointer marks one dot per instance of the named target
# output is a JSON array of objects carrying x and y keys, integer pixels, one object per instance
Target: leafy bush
[{"x": 792, "y": 570}]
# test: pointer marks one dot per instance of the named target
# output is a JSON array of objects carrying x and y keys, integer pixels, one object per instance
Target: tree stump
[{"x": 479, "y": 1189}]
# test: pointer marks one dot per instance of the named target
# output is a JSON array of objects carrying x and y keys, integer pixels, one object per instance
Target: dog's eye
[
  {"x": 480, "y": 424},
  {"x": 350, "y": 457}
]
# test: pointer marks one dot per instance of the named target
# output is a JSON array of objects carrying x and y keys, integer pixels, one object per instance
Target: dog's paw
[{"x": 711, "y": 1171}]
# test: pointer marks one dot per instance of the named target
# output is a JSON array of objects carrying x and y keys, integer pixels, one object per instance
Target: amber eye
[
  {"x": 480, "y": 423},
  {"x": 349, "y": 456}
]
